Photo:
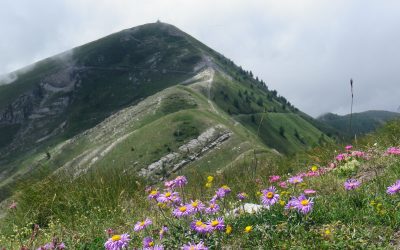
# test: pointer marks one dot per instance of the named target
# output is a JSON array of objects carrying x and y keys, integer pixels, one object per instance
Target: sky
[{"x": 305, "y": 49}]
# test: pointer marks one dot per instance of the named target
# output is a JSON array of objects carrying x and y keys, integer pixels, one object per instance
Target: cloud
[{"x": 307, "y": 50}]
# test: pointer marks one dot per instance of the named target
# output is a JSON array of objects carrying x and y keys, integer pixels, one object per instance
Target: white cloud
[{"x": 307, "y": 50}]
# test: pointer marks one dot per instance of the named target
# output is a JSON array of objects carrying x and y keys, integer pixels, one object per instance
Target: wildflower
[
  {"x": 210, "y": 179},
  {"x": 295, "y": 180},
  {"x": 196, "y": 206},
  {"x": 341, "y": 157},
  {"x": 222, "y": 191},
  {"x": 109, "y": 232},
  {"x": 140, "y": 225},
  {"x": 155, "y": 247},
  {"x": 304, "y": 205},
  {"x": 117, "y": 242},
  {"x": 208, "y": 185},
  {"x": 148, "y": 242},
  {"x": 217, "y": 224},
  {"x": 269, "y": 196},
  {"x": 228, "y": 230},
  {"x": 314, "y": 168},
  {"x": 242, "y": 196},
  {"x": 182, "y": 210},
  {"x": 258, "y": 193},
  {"x": 348, "y": 147},
  {"x": 200, "y": 227},
  {"x": 169, "y": 184},
  {"x": 393, "y": 151},
  {"x": 180, "y": 181},
  {"x": 12, "y": 206},
  {"x": 393, "y": 189},
  {"x": 212, "y": 208},
  {"x": 153, "y": 194},
  {"x": 274, "y": 178},
  {"x": 194, "y": 246},
  {"x": 351, "y": 184},
  {"x": 248, "y": 229},
  {"x": 169, "y": 197},
  {"x": 163, "y": 230},
  {"x": 327, "y": 232},
  {"x": 292, "y": 203},
  {"x": 283, "y": 184},
  {"x": 309, "y": 191},
  {"x": 282, "y": 203}
]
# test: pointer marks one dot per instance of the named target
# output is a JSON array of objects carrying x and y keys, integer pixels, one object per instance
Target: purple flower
[
  {"x": 309, "y": 191},
  {"x": 295, "y": 180},
  {"x": 140, "y": 225},
  {"x": 222, "y": 191},
  {"x": 182, "y": 211},
  {"x": 153, "y": 194},
  {"x": 155, "y": 247},
  {"x": 341, "y": 157},
  {"x": 348, "y": 147},
  {"x": 54, "y": 245},
  {"x": 193, "y": 246},
  {"x": 283, "y": 184},
  {"x": 292, "y": 203},
  {"x": 242, "y": 196},
  {"x": 200, "y": 227},
  {"x": 169, "y": 184},
  {"x": 196, "y": 206},
  {"x": 180, "y": 181},
  {"x": 304, "y": 204},
  {"x": 163, "y": 230},
  {"x": 393, "y": 189},
  {"x": 212, "y": 208},
  {"x": 351, "y": 184},
  {"x": 269, "y": 196},
  {"x": 217, "y": 224},
  {"x": 169, "y": 197},
  {"x": 117, "y": 242},
  {"x": 148, "y": 242},
  {"x": 274, "y": 178}
]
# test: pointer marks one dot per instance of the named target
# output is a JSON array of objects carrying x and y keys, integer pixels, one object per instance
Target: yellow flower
[
  {"x": 314, "y": 168},
  {"x": 116, "y": 237},
  {"x": 208, "y": 185},
  {"x": 327, "y": 232},
  {"x": 228, "y": 229},
  {"x": 282, "y": 203},
  {"x": 372, "y": 203},
  {"x": 248, "y": 229},
  {"x": 259, "y": 193},
  {"x": 210, "y": 178}
]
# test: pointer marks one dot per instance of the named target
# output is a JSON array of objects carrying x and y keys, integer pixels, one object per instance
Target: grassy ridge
[{"x": 79, "y": 211}]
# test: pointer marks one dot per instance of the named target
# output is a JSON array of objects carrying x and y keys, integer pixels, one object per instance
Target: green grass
[{"x": 78, "y": 211}]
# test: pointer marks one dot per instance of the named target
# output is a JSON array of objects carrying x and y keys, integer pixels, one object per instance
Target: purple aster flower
[
  {"x": 309, "y": 191},
  {"x": 200, "y": 227},
  {"x": 222, "y": 191},
  {"x": 169, "y": 184},
  {"x": 214, "y": 199},
  {"x": 348, "y": 147},
  {"x": 197, "y": 206},
  {"x": 217, "y": 224},
  {"x": 140, "y": 225},
  {"x": 212, "y": 208},
  {"x": 193, "y": 246},
  {"x": 269, "y": 196},
  {"x": 295, "y": 180},
  {"x": 292, "y": 203},
  {"x": 54, "y": 245},
  {"x": 153, "y": 194},
  {"x": 283, "y": 184},
  {"x": 393, "y": 151},
  {"x": 304, "y": 204},
  {"x": 274, "y": 178},
  {"x": 182, "y": 211},
  {"x": 242, "y": 196},
  {"x": 155, "y": 247},
  {"x": 117, "y": 242},
  {"x": 351, "y": 184},
  {"x": 163, "y": 230},
  {"x": 180, "y": 181},
  {"x": 148, "y": 242},
  {"x": 393, "y": 189},
  {"x": 169, "y": 197},
  {"x": 341, "y": 157}
]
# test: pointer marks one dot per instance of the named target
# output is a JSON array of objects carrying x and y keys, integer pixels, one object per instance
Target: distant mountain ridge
[{"x": 362, "y": 123}]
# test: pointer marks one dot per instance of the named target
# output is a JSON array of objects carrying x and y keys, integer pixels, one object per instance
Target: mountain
[
  {"x": 151, "y": 99},
  {"x": 362, "y": 123}
]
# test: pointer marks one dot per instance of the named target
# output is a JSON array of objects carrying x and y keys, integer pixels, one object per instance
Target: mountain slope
[
  {"x": 151, "y": 99},
  {"x": 362, "y": 123}
]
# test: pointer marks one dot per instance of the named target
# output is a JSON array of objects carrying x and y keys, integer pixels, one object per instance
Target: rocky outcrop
[{"x": 187, "y": 153}]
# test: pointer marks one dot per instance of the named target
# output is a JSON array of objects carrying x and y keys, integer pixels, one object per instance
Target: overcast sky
[{"x": 306, "y": 50}]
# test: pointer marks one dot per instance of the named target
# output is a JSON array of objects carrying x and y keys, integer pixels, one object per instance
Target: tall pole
[{"x": 351, "y": 109}]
